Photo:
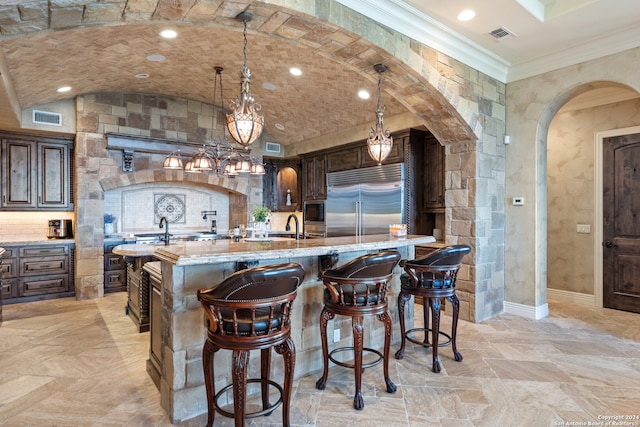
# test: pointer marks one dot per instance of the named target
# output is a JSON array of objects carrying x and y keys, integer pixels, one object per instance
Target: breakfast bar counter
[{"x": 189, "y": 266}]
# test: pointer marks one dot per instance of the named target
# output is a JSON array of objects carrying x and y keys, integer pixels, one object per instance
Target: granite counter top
[
  {"x": 34, "y": 242},
  {"x": 217, "y": 251}
]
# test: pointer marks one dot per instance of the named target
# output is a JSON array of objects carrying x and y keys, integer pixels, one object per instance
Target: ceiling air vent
[
  {"x": 47, "y": 118},
  {"x": 272, "y": 147},
  {"x": 501, "y": 33}
]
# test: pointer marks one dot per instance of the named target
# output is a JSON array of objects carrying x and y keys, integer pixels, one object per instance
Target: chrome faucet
[
  {"x": 165, "y": 224},
  {"x": 288, "y": 227}
]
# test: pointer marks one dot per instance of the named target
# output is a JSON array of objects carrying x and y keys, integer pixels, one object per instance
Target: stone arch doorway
[{"x": 573, "y": 172}]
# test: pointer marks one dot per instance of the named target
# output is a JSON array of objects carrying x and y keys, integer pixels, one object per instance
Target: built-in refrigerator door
[
  {"x": 381, "y": 204},
  {"x": 341, "y": 210}
]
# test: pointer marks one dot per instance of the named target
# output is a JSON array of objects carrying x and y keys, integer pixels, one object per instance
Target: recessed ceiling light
[
  {"x": 156, "y": 57},
  {"x": 64, "y": 89},
  {"x": 466, "y": 15},
  {"x": 295, "y": 71},
  {"x": 142, "y": 76},
  {"x": 279, "y": 126},
  {"x": 269, "y": 86},
  {"x": 363, "y": 94},
  {"x": 168, "y": 34}
]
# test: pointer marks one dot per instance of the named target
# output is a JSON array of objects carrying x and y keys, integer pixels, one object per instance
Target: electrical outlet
[{"x": 336, "y": 335}]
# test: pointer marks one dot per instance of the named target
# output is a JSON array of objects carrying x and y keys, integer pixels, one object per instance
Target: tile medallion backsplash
[
  {"x": 171, "y": 206},
  {"x": 139, "y": 208}
]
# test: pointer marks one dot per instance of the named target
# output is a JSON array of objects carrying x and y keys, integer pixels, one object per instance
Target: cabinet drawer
[
  {"x": 9, "y": 253},
  {"x": 114, "y": 262},
  {"x": 115, "y": 281},
  {"x": 9, "y": 288},
  {"x": 8, "y": 268},
  {"x": 45, "y": 285},
  {"x": 40, "y": 266},
  {"x": 33, "y": 251}
]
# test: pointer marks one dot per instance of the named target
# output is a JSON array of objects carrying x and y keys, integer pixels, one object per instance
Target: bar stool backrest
[
  {"x": 439, "y": 269},
  {"x": 251, "y": 302}
]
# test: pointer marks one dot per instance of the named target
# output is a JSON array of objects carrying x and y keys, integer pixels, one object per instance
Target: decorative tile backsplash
[{"x": 139, "y": 208}]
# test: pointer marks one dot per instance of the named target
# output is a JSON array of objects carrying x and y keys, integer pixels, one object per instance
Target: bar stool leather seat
[
  {"x": 250, "y": 310},
  {"x": 356, "y": 289},
  {"x": 432, "y": 278}
]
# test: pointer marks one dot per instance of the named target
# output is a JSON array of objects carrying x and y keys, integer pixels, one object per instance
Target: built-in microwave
[{"x": 313, "y": 212}]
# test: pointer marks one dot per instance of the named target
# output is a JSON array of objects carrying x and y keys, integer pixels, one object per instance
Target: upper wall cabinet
[
  {"x": 37, "y": 173},
  {"x": 281, "y": 184},
  {"x": 314, "y": 177}
]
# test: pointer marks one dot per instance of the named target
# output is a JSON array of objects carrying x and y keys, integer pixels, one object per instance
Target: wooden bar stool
[
  {"x": 358, "y": 288},
  {"x": 432, "y": 278},
  {"x": 250, "y": 310}
]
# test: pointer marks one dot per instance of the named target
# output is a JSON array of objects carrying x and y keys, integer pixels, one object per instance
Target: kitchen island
[{"x": 189, "y": 266}]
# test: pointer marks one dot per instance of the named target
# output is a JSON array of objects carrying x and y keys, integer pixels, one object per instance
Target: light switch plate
[{"x": 583, "y": 228}]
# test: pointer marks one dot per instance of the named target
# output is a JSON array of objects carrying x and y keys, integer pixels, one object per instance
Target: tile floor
[{"x": 81, "y": 363}]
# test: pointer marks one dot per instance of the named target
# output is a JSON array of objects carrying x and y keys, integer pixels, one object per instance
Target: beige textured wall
[
  {"x": 570, "y": 196},
  {"x": 531, "y": 105}
]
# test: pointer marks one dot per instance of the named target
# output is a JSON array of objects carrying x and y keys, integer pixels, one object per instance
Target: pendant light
[
  {"x": 380, "y": 141},
  {"x": 244, "y": 123}
]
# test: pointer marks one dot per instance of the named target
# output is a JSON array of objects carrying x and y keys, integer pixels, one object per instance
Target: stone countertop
[
  {"x": 35, "y": 242},
  {"x": 217, "y": 251}
]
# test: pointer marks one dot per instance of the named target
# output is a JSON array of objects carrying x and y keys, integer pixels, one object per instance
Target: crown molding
[
  {"x": 625, "y": 39},
  {"x": 412, "y": 23}
]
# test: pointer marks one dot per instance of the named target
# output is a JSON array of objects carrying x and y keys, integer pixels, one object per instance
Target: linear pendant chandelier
[
  {"x": 380, "y": 141},
  {"x": 244, "y": 123},
  {"x": 218, "y": 157}
]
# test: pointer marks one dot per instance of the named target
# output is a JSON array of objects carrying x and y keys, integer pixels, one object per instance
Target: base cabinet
[
  {"x": 37, "y": 272},
  {"x": 115, "y": 269},
  {"x": 138, "y": 289},
  {"x": 154, "y": 363}
]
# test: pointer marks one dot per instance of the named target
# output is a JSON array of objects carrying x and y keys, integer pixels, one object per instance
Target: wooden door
[
  {"x": 53, "y": 166},
  {"x": 621, "y": 225},
  {"x": 18, "y": 174}
]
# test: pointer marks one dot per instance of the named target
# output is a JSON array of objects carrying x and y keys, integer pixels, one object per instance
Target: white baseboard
[
  {"x": 574, "y": 297},
  {"x": 527, "y": 311}
]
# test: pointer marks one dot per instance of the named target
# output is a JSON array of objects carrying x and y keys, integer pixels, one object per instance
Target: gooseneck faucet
[
  {"x": 165, "y": 224},
  {"x": 288, "y": 227}
]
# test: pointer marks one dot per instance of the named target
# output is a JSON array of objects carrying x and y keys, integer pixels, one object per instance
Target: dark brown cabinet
[
  {"x": 314, "y": 173},
  {"x": 282, "y": 179},
  {"x": 31, "y": 273},
  {"x": 138, "y": 290},
  {"x": 115, "y": 269},
  {"x": 433, "y": 175},
  {"x": 154, "y": 363},
  {"x": 36, "y": 173}
]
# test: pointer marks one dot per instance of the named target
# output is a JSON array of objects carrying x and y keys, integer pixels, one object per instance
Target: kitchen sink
[{"x": 154, "y": 238}]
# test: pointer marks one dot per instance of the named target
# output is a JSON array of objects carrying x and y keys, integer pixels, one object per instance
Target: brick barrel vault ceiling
[{"x": 336, "y": 64}]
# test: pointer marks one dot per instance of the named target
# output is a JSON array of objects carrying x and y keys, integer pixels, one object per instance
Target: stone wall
[
  {"x": 462, "y": 107},
  {"x": 99, "y": 170}
]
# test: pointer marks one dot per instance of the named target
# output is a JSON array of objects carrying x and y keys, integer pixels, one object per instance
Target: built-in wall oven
[{"x": 313, "y": 216}]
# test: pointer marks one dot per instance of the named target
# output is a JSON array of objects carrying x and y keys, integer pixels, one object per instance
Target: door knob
[{"x": 610, "y": 244}]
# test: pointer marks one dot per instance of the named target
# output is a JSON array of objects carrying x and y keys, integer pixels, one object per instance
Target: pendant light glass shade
[
  {"x": 173, "y": 161},
  {"x": 244, "y": 123},
  {"x": 380, "y": 142}
]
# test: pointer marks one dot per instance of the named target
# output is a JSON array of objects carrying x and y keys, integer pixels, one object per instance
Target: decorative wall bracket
[
  {"x": 127, "y": 161},
  {"x": 327, "y": 262}
]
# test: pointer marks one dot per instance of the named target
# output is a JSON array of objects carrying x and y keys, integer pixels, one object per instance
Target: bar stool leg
[
  {"x": 265, "y": 373},
  {"x": 325, "y": 316},
  {"x": 208, "y": 351},
  {"x": 288, "y": 351},
  {"x": 425, "y": 317},
  {"x": 402, "y": 300},
  {"x": 239, "y": 378},
  {"x": 455, "y": 303},
  {"x": 435, "y": 332},
  {"x": 388, "y": 327},
  {"x": 358, "y": 345}
]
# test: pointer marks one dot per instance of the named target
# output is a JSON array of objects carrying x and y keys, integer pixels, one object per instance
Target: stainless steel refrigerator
[{"x": 365, "y": 201}]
